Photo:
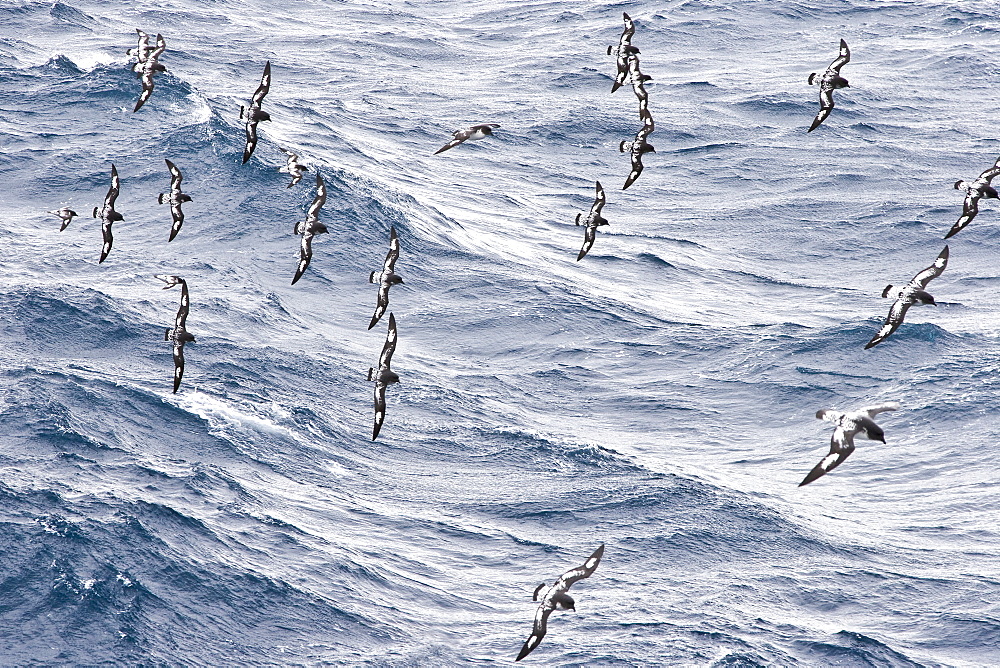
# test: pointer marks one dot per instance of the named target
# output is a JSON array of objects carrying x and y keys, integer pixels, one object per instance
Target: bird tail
[
  {"x": 885, "y": 293},
  {"x": 95, "y": 212},
  {"x": 534, "y": 597},
  {"x": 371, "y": 371},
  {"x": 811, "y": 77},
  {"x": 577, "y": 219},
  {"x": 166, "y": 334},
  {"x": 159, "y": 199},
  {"x": 371, "y": 277}
]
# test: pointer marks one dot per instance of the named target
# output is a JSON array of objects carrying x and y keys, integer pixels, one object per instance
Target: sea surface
[{"x": 657, "y": 397}]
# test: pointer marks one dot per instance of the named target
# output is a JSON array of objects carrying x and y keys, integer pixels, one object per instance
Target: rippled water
[{"x": 657, "y": 397}]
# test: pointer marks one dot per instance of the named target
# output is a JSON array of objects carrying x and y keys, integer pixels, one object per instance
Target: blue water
[{"x": 657, "y": 397}]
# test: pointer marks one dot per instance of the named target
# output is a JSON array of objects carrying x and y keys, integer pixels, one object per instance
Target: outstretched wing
[
  {"x": 390, "y": 259},
  {"x": 379, "y": 409},
  {"x": 175, "y": 176},
  {"x": 872, "y": 411},
  {"x": 178, "y": 363},
  {"x": 636, "y": 169},
  {"x": 969, "y": 210},
  {"x": 825, "y": 107},
  {"x": 109, "y": 199},
  {"x": 264, "y": 87},
  {"x": 842, "y": 59},
  {"x": 319, "y": 200},
  {"x": 629, "y": 30},
  {"x": 161, "y": 46},
  {"x": 599, "y": 201},
  {"x": 385, "y": 359},
  {"x": 589, "y": 235},
  {"x": 926, "y": 275},
  {"x": 305, "y": 253},
  {"x": 143, "y": 49},
  {"x": 381, "y": 306},
  {"x": 182, "y": 311},
  {"x": 147, "y": 89},
  {"x": 989, "y": 174},
  {"x": 452, "y": 144},
  {"x": 892, "y": 322},
  {"x": 841, "y": 446},
  {"x": 538, "y": 629},
  {"x": 109, "y": 240},
  {"x": 571, "y": 576}
]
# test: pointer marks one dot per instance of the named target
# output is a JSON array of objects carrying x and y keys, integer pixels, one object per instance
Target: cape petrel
[
  {"x": 592, "y": 221},
  {"x": 913, "y": 293},
  {"x": 66, "y": 215},
  {"x": 254, "y": 114},
  {"x": 842, "y": 441},
  {"x": 148, "y": 65},
  {"x": 108, "y": 215},
  {"x": 556, "y": 596},
  {"x": 978, "y": 189},
  {"x": 474, "y": 133},
  {"x": 293, "y": 167},
  {"x": 622, "y": 52},
  {"x": 386, "y": 278},
  {"x": 175, "y": 198},
  {"x": 179, "y": 334},
  {"x": 385, "y": 376},
  {"x": 637, "y": 147},
  {"x": 828, "y": 82},
  {"x": 309, "y": 228}
]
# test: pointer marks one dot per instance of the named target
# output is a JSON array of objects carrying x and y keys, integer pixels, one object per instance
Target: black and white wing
[
  {"x": 459, "y": 136},
  {"x": 892, "y": 321},
  {"x": 385, "y": 359},
  {"x": 573, "y": 575},
  {"x": 538, "y": 629},
  {"x": 175, "y": 177},
  {"x": 629, "y": 30},
  {"x": 178, "y": 363},
  {"x": 379, "y": 409},
  {"x": 381, "y": 305},
  {"x": 389, "y": 265},
  {"x": 842, "y": 59},
  {"x": 318, "y": 201},
  {"x": 147, "y": 88},
  {"x": 969, "y": 210},
  {"x": 636, "y": 169},
  {"x": 841, "y": 446},
  {"x": 180, "y": 322},
  {"x": 599, "y": 201},
  {"x": 925, "y": 276},
  {"x": 825, "y": 106},
  {"x": 251, "y": 141},
  {"x": 161, "y": 46},
  {"x": 589, "y": 235},
  {"x": 872, "y": 411},
  {"x": 109, "y": 199},
  {"x": 143, "y": 48},
  {"x": 264, "y": 87},
  {"x": 305, "y": 252}
]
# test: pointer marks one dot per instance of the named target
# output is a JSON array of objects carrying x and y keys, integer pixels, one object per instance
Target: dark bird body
[
  {"x": 912, "y": 293},
  {"x": 978, "y": 189},
  {"x": 309, "y": 228},
  {"x": 592, "y": 221},
  {"x": 842, "y": 442},
  {"x": 828, "y": 82},
  {"x": 108, "y": 215},
  {"x": 254, "y": 114},
  {"x": 386, "y": 278},
  {"x": 175, "y": 198},
  {"x": 179, "y": 334},
  {"x": 384, "y": 376},
  {"x": 556, "y": 596}
]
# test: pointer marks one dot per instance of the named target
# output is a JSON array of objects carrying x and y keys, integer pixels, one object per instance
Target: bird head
[
  {"x": 186, "y": 337},
  {"x": 115, "y": 216},
  {"x": 840, "y": 82},
  {"x": 184, "y": 198},
  {"x": 924, "y": 298},
  {"x": 874, "y": 432}
]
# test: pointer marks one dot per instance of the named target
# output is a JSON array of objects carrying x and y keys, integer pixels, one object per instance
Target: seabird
[
  {"x": 974, "y": 191},
  {"x": 386, "y": 278},
  {"x": 148, "y": 65},
  {"x": 66, "y": 214},
  {"x": 474, "y": 133},
  {"x": 913, "y": 293},
  {"x": 842, "y": 441},
  {"x": 556, "y": 596},
  {"x": 108, "y": 215},
  {"x": 254, "y": 114},
  {"x": 385, "y": 375},
  {"x": 179, "y": 335},
  {"x": 175, "y": 198},
  {"x": 309, "y": 228},
  {"x": 293, "y": 168},
  {"x": 592, "y": 221},
  {"x": 622, "y": 51},
  {"x": 828, "y": 82},
  {"x": 638, "y": 79},
  {"x": 637, "y": 147},
  {"x": 141, "y": 51}
]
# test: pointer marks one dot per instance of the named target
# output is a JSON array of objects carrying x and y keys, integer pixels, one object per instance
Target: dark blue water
[{"x": 657, "y": 397}]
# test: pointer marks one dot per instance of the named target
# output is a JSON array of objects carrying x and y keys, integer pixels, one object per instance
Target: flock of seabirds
[{"x": 847, "y": 424}]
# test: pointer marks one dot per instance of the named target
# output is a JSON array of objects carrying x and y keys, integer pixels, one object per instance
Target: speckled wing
[
  {"x": 180, "y": 321},
  {"x": 318, "y": 201},
  {"x": 825, "y": 105},
  {"x": 142, "y": 50},
  {"x": 636, "y": 169},
  {"x": 589, "y": 235},
  {"x": 599, "y": 201},
  {"x": 109, "y": 199},
  {"x": 538, "y": 629},
  {"x": 925, "y": 276},
  {"x": 892, "y": 322},
  {"x": 379, "y": 409},
  {"x": 567, "y": 579},
  {"x": 305, "y": 252},
  {"x": 178, "y": 363},
  {"x": 381, "y": 305},
  {"x": 969, "y": 210},
  {"x": 841, "y": 446},
  {"x": 842, "y": 59},
  {"x": 389, "y": 347},
  {"x": 264, "y": 87},
  {"x": 389, "y": 265},
  {"x": 251, "y": 140},
  {"x": 108, "y": 240},
  {"x": 175, "y": 177},
  {"x": 147, "y": 88}
]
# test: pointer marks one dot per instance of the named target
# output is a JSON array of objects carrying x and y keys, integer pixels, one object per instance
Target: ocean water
[{"x": 657, "y": 397}]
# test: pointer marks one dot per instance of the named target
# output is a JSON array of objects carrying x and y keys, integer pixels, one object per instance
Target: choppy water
[{"x": 658, "y": 397}]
